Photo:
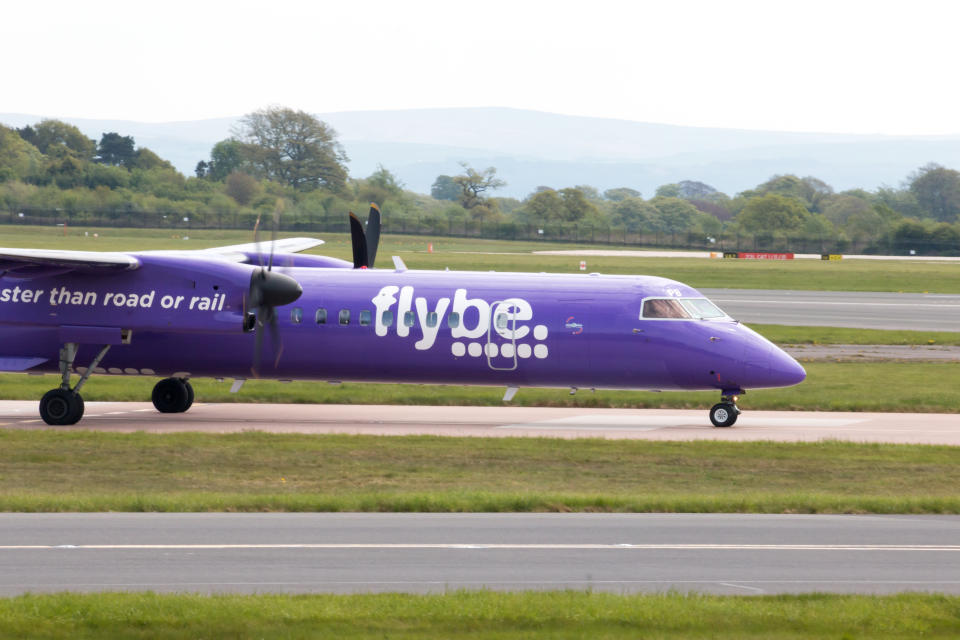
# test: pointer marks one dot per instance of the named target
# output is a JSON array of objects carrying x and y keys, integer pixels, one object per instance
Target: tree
[
  {"x": 116, "y": 150},
  {"x": 146, "y": 159},
  {"x": 840, "y": 208},
  {"x": 810, "y": 191},
  {"x": 50, "y": 135},
  {"x": 909, "y": 235},
  {"x": 444, "y": 188},
  {"x": 576, "y": 205},
  {"x": 225, "y": 158},
  {"x": 668, "y": 191},
  {"x": 590, "y": 192},
  {"x": 241, "y": 187},
  {"x": 543, "y": 206},
  {"x": 473, "y": 184},
  {"x": 386, "y": 181},
  {"x": 635, "y": 214},
  {"x": 693, "y": 190},
  {"x": 620, "y": 193},
  {"x": 18, "y": 158},
  {"x": 771, "y": 213},
  {"x": 675, "y": 214},
  {"x": 937, "y": 190},
  {"x": 294, "y": 148}
]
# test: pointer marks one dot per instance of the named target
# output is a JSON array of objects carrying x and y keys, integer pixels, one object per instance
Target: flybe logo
[{"x": 506, "y": 322}]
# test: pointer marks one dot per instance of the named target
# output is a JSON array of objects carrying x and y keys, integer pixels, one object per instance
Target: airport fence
[{"x": 437, "y": 226}]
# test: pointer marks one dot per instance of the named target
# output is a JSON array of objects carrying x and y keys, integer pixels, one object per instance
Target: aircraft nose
[{"x": 784, "y": 370}]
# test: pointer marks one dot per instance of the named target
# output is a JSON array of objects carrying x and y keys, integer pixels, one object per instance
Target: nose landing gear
[{"x": 725, "y": 412}]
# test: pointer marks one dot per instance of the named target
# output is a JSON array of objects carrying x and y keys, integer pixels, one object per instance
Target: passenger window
[
  {"x": 344, "y": 316},
  {"x": 408, "y": 318},
  {"x": 431, "y": 318},
  {"x": 321, "y": 316},
  {"x": 364, "y": 318},
  {"x": 663, "y": 308},
  {"x": 387, "y": 318},
  {"x": 501, "y": 321},
  {"x": 453, "y": 320},
  {"x": 296, "y": 315}
]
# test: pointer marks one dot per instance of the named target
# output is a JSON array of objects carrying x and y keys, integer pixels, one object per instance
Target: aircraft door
[{"x": 501, "y": 347}]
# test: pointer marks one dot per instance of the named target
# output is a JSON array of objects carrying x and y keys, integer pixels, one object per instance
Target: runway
[
  {"x": 856, "y": 309},
  {"x": 418, "y": 553},
  {"x": 648, "y": 424}
]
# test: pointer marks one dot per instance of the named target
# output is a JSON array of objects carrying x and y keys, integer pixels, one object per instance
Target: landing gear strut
[
  {"x": 64, "y": 405},
  {"x": 173, "y": 395},
  {"x": 725, "y": 412}
]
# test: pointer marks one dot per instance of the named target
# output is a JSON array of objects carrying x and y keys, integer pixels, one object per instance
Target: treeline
[{"x": 52, "y": 172}]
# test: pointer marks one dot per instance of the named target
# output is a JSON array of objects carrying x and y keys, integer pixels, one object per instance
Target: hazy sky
[{"x": 839, "y": 66}]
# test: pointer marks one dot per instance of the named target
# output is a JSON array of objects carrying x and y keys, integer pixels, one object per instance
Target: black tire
[
  {"x": 170, "y": 395},
  {"x": 60, "y": 407},
  {"x": 190, "y": 394},
  {"x": 724, "y": 414}
]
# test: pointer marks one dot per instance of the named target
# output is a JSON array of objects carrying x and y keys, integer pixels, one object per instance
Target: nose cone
[{"x": 784, "y": 370}]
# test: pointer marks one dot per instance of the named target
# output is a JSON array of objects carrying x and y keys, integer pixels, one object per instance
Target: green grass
[
  {"x": 252, "y": 471},
  {"x": 499, "y": 255},
  {"x": 783, "y": 334},
  {"x": 480, "y": 615},
  {"x": 926, "y": 387}
]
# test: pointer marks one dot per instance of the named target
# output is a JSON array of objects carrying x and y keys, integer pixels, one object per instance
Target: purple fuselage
[{"x": 186, "y": 316}]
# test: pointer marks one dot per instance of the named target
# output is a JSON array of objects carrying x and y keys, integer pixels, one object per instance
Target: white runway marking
[{"x": 511, "y": 547}]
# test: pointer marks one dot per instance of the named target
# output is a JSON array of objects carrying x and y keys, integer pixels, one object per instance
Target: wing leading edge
[{"x": 39, "y": 262}]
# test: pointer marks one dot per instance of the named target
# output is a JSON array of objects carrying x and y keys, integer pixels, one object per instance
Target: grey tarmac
[
  {"x": 553, "y": 422},
  {"x": 855, "y": 309},
  {"x": 348, "y": 553}
]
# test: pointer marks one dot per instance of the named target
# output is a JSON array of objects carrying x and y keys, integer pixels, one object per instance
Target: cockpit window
[
  {"x": 701, "y": 308},
  {"x": 663, "y": 308},
  {"x": 680, "y": 309}
]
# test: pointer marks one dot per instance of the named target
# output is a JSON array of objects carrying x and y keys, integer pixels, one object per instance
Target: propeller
[
  {"x": 268, "y": 290},
  {"x": 365, "y": 243}
]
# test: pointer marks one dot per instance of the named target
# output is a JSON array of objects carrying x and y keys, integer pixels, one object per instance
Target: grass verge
[
  {"x": 783, "y": 334},
  {"x": 480, "y": 614},
  {"x": 79, "y": 471},
  {"x": 906, "y": 387}
]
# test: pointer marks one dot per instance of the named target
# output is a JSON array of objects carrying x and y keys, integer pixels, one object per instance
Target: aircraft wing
[
  {"x": 283, "y": 245},
  {"x": 35, "y": 262}
]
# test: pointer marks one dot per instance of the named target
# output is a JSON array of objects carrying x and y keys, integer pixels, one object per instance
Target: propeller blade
[
  {"x": 269, "y": 290},
  {"x": 373, "y": 234},
  {"x": 359, "y": 241},
  {"x": 257, "y": 348},
  {"x": 277, "y": 209},
  {"x": 276, "y": 340},
  {"x": 256, "y": 240}
]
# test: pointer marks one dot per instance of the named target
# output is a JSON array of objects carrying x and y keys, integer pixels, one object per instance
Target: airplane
[{"x": 209, "y": 312}]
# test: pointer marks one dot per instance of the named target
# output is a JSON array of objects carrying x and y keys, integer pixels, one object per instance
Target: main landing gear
[
  {"x": 64, "y": 405},
  {"x": 725, "y": 412},
  {"x": 173, "y": 395}
]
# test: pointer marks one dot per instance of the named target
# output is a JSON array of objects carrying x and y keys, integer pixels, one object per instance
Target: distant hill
[{"x": 531, "y": 148}]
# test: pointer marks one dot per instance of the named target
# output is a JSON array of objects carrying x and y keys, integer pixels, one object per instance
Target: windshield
[{"x": 680, "y": 309}]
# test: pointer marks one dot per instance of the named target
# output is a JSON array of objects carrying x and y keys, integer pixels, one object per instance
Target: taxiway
[{"x": 649, "y": 424}]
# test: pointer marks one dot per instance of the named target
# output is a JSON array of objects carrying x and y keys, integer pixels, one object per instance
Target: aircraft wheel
[
  {"x": 190, "y": 394},
  {"x": 171, "y": 395},
  {"x": 60, "y": 407},
  {"x": 724, "y": 414}
]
